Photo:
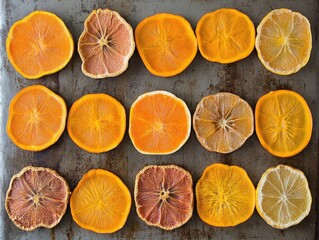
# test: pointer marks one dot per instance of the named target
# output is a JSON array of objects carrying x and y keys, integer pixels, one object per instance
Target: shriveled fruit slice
[
  {"x": 283, "y": 122},
  {"x": 283, "y": 41},
  {"x": 106, "y": 44},
  {"x": 37, "y": 197},
  {"x": 100, "y": 202},
  {"x": 223, "y": 122},
  {"x": 225, "y": 195},
  {"x": 225, "y": 35},
  {"x": 166, "y": 44},
  {"x": 36, "y": 118},
  {"x": 160, "y": 123},
  {"x": 97, "y": 122},
  {"x": 39, "y": 44},
  {"x": 283, "y": 198},
  {"x": 164, "y": 196}
]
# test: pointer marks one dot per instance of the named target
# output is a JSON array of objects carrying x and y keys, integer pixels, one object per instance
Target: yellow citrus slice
[
  {"x": 283, "y": 41},
  {"x": 283, "y": 122},
  {"x": 283, "y": 198}
]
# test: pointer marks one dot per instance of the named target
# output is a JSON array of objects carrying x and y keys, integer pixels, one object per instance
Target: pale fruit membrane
[
  {"x": 106, "y": 44},
  {"x": 284, "y": 41},
  {"x": 37, "y": 197},
  {"x": 223, "y": 122},
  {"x": 283, "y": 198},
  {"x": 164, "y": 196}
]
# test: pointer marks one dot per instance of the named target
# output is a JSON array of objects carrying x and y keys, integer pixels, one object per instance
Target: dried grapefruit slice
[
  {"x": 106, "y": 44},
  {"x": 100, "y": 202},
  {"x": 164, "y": 196},
  {"x": 37, "y": 197}
]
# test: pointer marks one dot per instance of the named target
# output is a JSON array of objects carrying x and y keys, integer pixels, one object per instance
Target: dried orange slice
[
  {"x": 100, "y": 202},
  {"x": 164, "y": 196},
  {"x": 225, "y": 195},
  {"x": 36, "y": 118},
  {"x": 283, "y": 122},
  {"x": 160, "y": 123},
  {"x": 283, "y": 41},
  {"x": 223, "y": 122},
  {"x": 37, "y": 197},
  {"x": 283, "y": 198},
  {"x": 39, "y": 44},
  {"x": 166, "y": 44},
  {"x": 225, "y": 35},
  {"x": 97, "y": 122},
  {"x": 106, "y": 44}
]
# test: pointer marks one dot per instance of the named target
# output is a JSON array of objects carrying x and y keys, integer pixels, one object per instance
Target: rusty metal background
[{"x": 247, "y": 78}]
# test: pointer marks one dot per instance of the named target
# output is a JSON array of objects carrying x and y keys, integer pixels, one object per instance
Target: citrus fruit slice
[
  {"x": 37, "y": 197},
  {"x": 97, "y": 122},
  {"x": 166, "y": 44},
  {"x": 39, "y": 44},
  {"x": 225, "y": 35},
  {"x": 36, "y": 118},
  {"x": 283, "y": 198},
  {"x": 225, "y": 195},
  {"x": 283, "y": 122},
  {"x": 164, "y": 196},
  {"x": 223, "y": 122},
  {"x": 106, "y": 44},
  {"x": 160, "y": 123},
  {"x": 283, "y": 41},
  {"x": 100, "y": 202}
]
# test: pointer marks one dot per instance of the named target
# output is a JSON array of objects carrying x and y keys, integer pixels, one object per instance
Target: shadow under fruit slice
[
  {"x": 225, "y": 195},
  {"x": 164, "y": 196},
  {"x": 39, "y": 44},
  {"x": 106, "y": 44},
  {"x": 97, "y": 122},
  {"x": 100, "y": 202},
  {"x": 223, "y": 122},
  {"x": 160, "y": 123},
  {"x": 37, "y": 197},
  {"x": 283, "y": 122},
  {"x": 36, "y": 118},
  {"x": 166, "y": 44}
]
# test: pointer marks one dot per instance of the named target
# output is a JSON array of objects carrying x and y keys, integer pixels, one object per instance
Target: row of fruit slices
[
  {"x": 166, "y": 42},
  {"x": 101, "y": 202}
]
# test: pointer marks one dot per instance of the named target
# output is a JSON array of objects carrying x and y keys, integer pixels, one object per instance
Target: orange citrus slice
[
  {"x": 160, "y": 123},
  {"x": 164, "y": 196},
  {"x": 283, "y": 198},
  {"x": 166, "y": 44},
  {"x": 223, "y": 122},
  {"x": 36, "y": 118},
  {"x": 100, "y": 202},
  {"x": 225, "y": 195},
  {"x": 97, "y": 122},
  {"x": 283, "y": 41},
  {"x": 39, "y": 44},
  {"x": 283, "y": 122},
  {"x": 225, "y": 35},
  {"x": 37, "y": 197},
  {"x": 106, "y": 44}
]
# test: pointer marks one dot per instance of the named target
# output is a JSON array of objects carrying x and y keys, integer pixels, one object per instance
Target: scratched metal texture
[{"x": 247, "y": 78}]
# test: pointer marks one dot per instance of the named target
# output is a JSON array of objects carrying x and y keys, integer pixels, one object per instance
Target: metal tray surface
[{"x": 247, "y": 78}]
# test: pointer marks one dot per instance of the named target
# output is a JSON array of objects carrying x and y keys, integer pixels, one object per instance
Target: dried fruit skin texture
[
  {"x": 39, "y": 44},
  {"x": 164, "y": 196},
  {"x": 37, "y": 197},
  {"x": 100, "y": 202},
  {"x": 106, "y": 44}
]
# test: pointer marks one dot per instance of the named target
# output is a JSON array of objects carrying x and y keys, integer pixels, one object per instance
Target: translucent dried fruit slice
[
  {"x": 100, "y": 202},
  {"x": 223, "y": 122},
  {"x": 37, "y": 197},
  {"x": 164, "y": 196},
  {"x": 106, "y": 44}
]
